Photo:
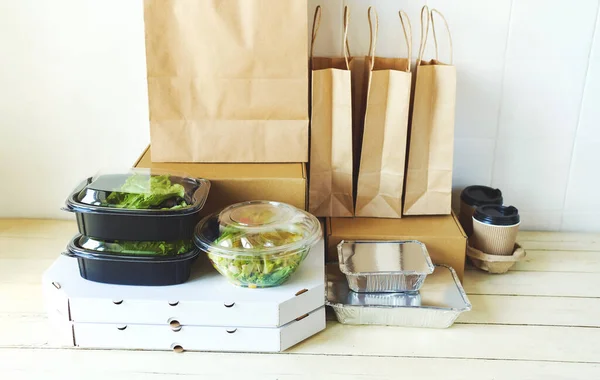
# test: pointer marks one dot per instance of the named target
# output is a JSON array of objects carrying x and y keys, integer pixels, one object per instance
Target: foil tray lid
[
  {"x": 382, "y": 258},
  {"x": 442, "y": 291}
]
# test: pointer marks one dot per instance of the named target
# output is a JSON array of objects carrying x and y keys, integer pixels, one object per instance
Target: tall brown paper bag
[
  {"x": 431, "y": 148},
  {"x": 227, "y": 80},
  {"x": 382, "y": 161},
  {"x": 330, "y": 185}
]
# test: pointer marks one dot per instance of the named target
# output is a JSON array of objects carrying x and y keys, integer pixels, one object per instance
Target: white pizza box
[
  {"x": 207, "y": 299},
  {"x": 189, "y": 338},
  {"x": 60, "y": 330}
]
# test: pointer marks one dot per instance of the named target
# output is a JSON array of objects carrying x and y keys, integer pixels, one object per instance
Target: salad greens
[
  {"x": 158, "y": 248},
  {"x": 143, "y": 192},
  {"x": 258, "y": 270}
]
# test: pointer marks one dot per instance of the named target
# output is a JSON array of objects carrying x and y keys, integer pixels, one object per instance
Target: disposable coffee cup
[
  {"x": 495, "y": 229},
  {"x": 471, "y": 198}
]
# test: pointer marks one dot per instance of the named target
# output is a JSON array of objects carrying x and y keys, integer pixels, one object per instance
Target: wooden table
[{"x": 539, "y": 321}]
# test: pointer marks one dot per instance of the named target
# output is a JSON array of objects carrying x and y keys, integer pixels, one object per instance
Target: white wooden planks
[
  {"x": 538, "y": 321},
  {"x": 38, "y": 228},
  {"x": 562, "y": 284},
  {"x": 532, "y": 310},
  {"x": 555, "y": 241},
  {"x": 461, "y": 341},
  {"x": 560, "y": 261},
  {"x": 134, "y": 365}
]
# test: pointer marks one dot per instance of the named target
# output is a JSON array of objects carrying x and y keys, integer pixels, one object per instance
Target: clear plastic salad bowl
[{"x": 258, "y": 244}]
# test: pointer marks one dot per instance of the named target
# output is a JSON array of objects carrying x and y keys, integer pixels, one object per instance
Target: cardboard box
[
  {"x": 206, "y": 299},
  {"x": 193, "y": 338},
  {"x": 444, "y": 237},
  {"x": 233, "y": 183},
  {"x": 205, "y": 313}
]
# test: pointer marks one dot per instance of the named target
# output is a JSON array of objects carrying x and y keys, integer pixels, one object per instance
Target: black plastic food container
[
  {"x": 123, "y": 269},
  {"x": 155, "y": 216}
]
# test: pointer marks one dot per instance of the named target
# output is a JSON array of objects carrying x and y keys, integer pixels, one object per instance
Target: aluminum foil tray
[
  {"x": 384, "y": 266},
  {"x": 437, "y": 305}
]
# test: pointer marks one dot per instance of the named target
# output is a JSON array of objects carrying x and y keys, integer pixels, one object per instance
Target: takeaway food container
[
  {"x": 258, "y": 244},
  {"x": 471, "y": 198},
  {"x": 437, "y": 305},
  {"x": 133, "y": 262},
  {"x": 139, "y": 205},
  {"x": 384, "y": 266}
]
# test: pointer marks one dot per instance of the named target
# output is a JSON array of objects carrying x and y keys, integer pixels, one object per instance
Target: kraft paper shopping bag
[
  {"x": 382, "y": 161},
  {"x": 431, "y": 147},
  {"x": 330, "y": 180},
  {"x": 227, "y": 80}
]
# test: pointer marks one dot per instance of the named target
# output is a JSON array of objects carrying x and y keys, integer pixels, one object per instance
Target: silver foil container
[
  {"x": 437, "y": 305},
  {"x": 386, "y": 299},
  {"x": 384, "y": 266}
]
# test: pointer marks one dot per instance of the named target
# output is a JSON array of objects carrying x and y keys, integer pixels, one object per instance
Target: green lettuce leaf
[
  {"x": 158, "y": 248},
  {"x": 258, "y": 270},
  {"x": 142, "y": 192}
]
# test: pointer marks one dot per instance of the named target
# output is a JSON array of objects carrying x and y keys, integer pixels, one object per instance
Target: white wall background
[{"x": 73, "y": 96}]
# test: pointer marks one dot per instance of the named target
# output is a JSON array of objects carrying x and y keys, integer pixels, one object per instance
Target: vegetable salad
[
  {"x": 258, "y": 270},
  {"x": 258, "y": 244},
  {"x": 143, "y": 192},
  {"x": 148, "y": 248}
]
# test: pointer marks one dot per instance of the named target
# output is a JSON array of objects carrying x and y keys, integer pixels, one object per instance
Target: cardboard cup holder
[{"x": 496, "y": 264}]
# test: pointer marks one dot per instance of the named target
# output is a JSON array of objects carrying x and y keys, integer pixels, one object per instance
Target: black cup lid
[
  {"x": 481, "y": 195},
  {"x": 497, "y": 215}
]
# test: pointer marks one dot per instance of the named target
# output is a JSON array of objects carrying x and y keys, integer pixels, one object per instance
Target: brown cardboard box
[
  {"x": 444, "y": 237},
  {"x": 232, "y": 183}
]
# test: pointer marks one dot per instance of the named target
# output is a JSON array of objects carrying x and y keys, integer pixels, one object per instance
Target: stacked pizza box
[{"x": 206, "y": 313}]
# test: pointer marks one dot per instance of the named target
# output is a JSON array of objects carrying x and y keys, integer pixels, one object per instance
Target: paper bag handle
[
  {"x": 315, "y": 30},
  {"x": 373, "y": 34},
  {"x": 435, "y": 36},
  {"x": 374, "y": 31},
  {"x": 425, "y": 30},
  {"x": 407, "y": 35},
  {"x": 346, "y": 45}
]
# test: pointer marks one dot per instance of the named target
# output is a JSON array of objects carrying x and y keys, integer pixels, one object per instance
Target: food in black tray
[
  {"x": 138, "y": 205},
  {"x": 140, "y": 192},
  {"x": 133, "y": 262}
]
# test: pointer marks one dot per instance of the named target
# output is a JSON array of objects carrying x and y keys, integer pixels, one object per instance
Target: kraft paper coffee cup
[
  {"x": 471, "y": 198},
  {"x": 495, "y": 229}
]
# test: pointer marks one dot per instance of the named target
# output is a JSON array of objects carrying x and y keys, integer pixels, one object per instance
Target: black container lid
[
  {"x": 497, "y": 215},
  {"x": 481, "y": 195}
]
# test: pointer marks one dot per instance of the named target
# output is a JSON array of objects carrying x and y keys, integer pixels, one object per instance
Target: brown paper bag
[
  {"x": 359, "y": 92},
  {"x": 431, "y": 149},
  {"x": 330, "y": 185},
  {"x": 227, "y": 80},
  {"x": 382, "y": 162}
]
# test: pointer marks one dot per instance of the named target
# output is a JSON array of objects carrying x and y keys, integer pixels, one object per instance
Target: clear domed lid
[
  {"x": 142, "y": 190},
  {"x": 146, "y": 248},
  {"x": 257, "y": 228}
]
